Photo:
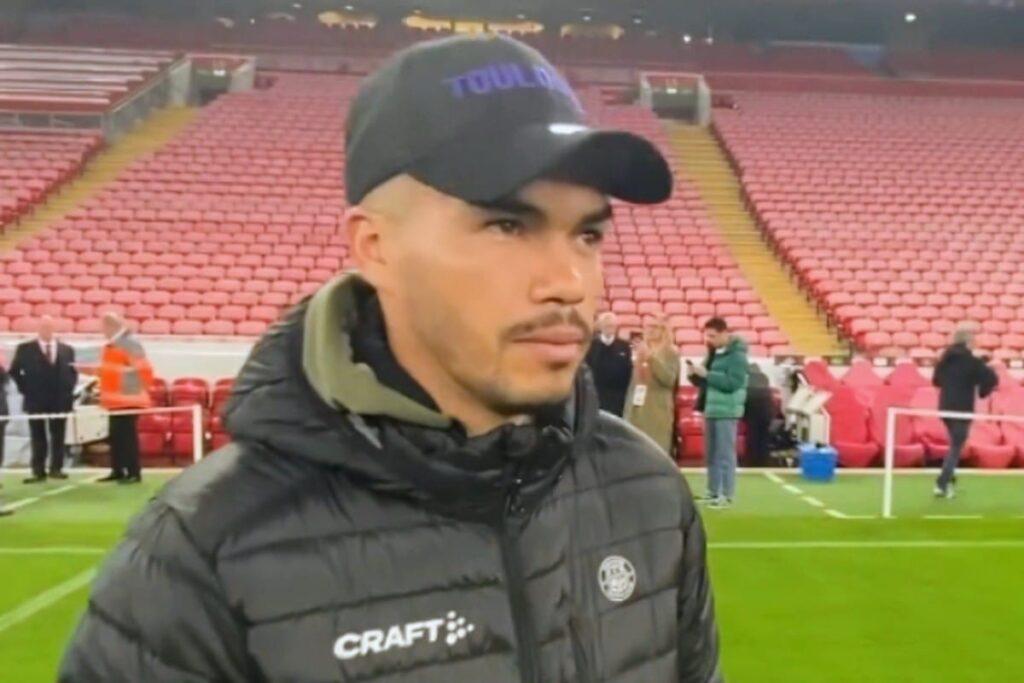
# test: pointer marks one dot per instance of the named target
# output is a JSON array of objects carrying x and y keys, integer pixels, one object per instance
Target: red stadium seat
[
  {"x": 189, "y": 391},
  {"x": 909, "y": 452},
  {"x": 850, "y": 434},
  {"x": 986, "y": 444},
  {"x": 865, "y": 382},
  {"x": 1009, "y": 400}
]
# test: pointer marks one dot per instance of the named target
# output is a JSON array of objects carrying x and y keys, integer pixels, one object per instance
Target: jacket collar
[{"x": 303, "y": 394}]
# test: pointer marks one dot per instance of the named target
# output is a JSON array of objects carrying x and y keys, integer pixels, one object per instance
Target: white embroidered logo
[
  {"x": 617, "y": 578},
  {"x": 453, "y": 629}
]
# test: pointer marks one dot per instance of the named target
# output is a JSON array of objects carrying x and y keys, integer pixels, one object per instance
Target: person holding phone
[
  {"x": 723, "y": 380},
  {"x": 650, "y": 401}
]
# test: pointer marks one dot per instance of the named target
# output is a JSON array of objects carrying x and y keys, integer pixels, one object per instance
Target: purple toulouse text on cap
[{"x": 510, "y": 76}]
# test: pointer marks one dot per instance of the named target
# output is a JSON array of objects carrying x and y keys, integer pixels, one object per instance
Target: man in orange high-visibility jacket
[{"x": 124, "y": 380}]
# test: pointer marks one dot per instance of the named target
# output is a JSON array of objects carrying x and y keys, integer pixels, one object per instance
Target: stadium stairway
[
  {"x": 147, "y": 137},
  {"x": 705, "y": 164}
]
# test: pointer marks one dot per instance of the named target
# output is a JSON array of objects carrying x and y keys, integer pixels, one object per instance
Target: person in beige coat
[{"x": 651, "y": 399}]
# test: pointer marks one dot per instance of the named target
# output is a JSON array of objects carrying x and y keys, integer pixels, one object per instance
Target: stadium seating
[
  {"x": 898, "y": 214},
  {"x": 213, "y": 234},
  {"x": 154, "y": 431},
  {"x": 908, "y": 451},
  {"x": 670, "y": 258},
  {"x": 850, "y": 434},
  {"x": 929, "y": 431},
  {"x": 986, "y": 444},
  {"x": 167, "y": 438},
  {"x": 34, "y": 165},
  {"x": 960, "y": 64},
  {"x": 858, "y": 427},
  {"x": 819, "y": 376},
  {"x": 1011, "y": 402},
  {"x": 865, "y": 382},
  {"x": 239, "y": 217}
]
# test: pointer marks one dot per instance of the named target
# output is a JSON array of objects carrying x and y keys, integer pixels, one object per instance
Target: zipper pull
[{"x": 513, "y": 500}]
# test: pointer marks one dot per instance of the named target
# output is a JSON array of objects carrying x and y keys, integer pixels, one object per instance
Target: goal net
[{"x": 989, "y": 480}]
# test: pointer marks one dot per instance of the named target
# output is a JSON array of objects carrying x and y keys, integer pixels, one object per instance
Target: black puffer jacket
[
  {"x": 330, "y": 545},
  {"x": 961, "y": 376}
]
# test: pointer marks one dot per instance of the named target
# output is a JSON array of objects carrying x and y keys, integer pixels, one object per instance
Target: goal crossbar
[{"x": 890, "y": 440}]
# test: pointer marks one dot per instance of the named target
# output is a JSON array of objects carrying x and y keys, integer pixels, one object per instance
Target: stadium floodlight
[
  {"x": 687, "y": 38},
  {"x": 910, "y": 17},
  {"x": 896, "y": 412}
]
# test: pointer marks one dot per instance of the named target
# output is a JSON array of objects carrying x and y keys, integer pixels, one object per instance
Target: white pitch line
[
  {"x": 953, "y": 517},
  {"x": 22, "y": 502},
  {"x": 842, "y": 515},
  {"x": 62, "y": 489},
  {"x": 868, "y": 545},
  {"x": 54, "y": 550},
  {"x": 811, "y": 500},
  {"x": 840, "y": 472},
  {"x": 49, "y": 597}
]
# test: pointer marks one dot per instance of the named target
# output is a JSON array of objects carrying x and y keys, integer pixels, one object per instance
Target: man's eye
[
  {"x": 506, "y": 226},
  {"x": 592, "y": 236}
]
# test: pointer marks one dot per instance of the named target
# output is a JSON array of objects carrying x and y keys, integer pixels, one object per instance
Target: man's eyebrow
[
  {"x": 518, "y": 207},
  {"x": 513, "y": 206},
  {"x": 602, "y": 215}
]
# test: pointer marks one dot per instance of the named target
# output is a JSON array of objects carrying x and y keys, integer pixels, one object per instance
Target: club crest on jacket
[{"x": 617, "y": 578}]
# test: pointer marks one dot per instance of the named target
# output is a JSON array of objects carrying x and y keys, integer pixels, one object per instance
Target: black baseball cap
[{"x": 480, "y": 117}]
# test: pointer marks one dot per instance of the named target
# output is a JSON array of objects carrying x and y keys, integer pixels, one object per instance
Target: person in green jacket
[
  {"x": 722, "y": 380},
  {"x": 651, "y": 398}
]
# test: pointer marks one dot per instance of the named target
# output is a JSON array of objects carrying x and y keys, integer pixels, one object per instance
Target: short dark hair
[{"x": 716, "y": 324}]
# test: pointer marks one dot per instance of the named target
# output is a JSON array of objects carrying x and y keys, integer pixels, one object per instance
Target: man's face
[
  {"x": 494, "y": 301},
  {"x": 110, "y": 328},
  {"x": 716, "y": 339},
  {"x": 607, "y": 326},
  {"x": 46, "y": 330}
]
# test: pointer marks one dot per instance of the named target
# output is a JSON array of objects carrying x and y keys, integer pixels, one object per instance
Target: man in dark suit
[
  {"x": 45, "y": 374},
  {"x": 611, "y": 362}
]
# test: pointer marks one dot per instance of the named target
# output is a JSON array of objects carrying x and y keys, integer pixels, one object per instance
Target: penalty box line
[{"x": 812, "y": 501}]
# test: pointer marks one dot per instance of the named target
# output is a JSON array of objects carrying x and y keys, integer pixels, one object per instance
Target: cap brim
[{"x": 615, "y": 163}]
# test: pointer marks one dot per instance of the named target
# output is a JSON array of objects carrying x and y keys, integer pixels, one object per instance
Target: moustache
[{"x": 552, "y": 319}]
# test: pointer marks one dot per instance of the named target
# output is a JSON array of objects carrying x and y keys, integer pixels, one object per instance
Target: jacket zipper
[
  {"x": 579, "y": 652},
  {"x": 526, "y": 641}
]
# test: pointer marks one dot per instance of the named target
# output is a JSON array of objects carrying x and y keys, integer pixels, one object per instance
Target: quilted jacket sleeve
[
  {"x": 156, "y": 614},
  {"x": 698, "y": 631}
]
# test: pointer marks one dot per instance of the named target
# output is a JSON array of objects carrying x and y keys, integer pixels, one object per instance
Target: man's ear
[{"x": 366, "y": 243}]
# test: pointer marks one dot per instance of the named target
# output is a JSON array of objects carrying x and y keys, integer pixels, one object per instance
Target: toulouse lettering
[{"x": 502, "y": 77}]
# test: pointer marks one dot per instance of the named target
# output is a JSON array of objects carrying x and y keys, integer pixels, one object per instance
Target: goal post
[{"x": 897, "y": 412}]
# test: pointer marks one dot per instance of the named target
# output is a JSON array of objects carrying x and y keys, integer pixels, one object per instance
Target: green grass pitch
[{"x": 811, "y": 586}]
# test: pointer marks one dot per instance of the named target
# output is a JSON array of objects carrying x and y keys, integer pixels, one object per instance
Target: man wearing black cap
[{"x": 400, "y": 507}]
